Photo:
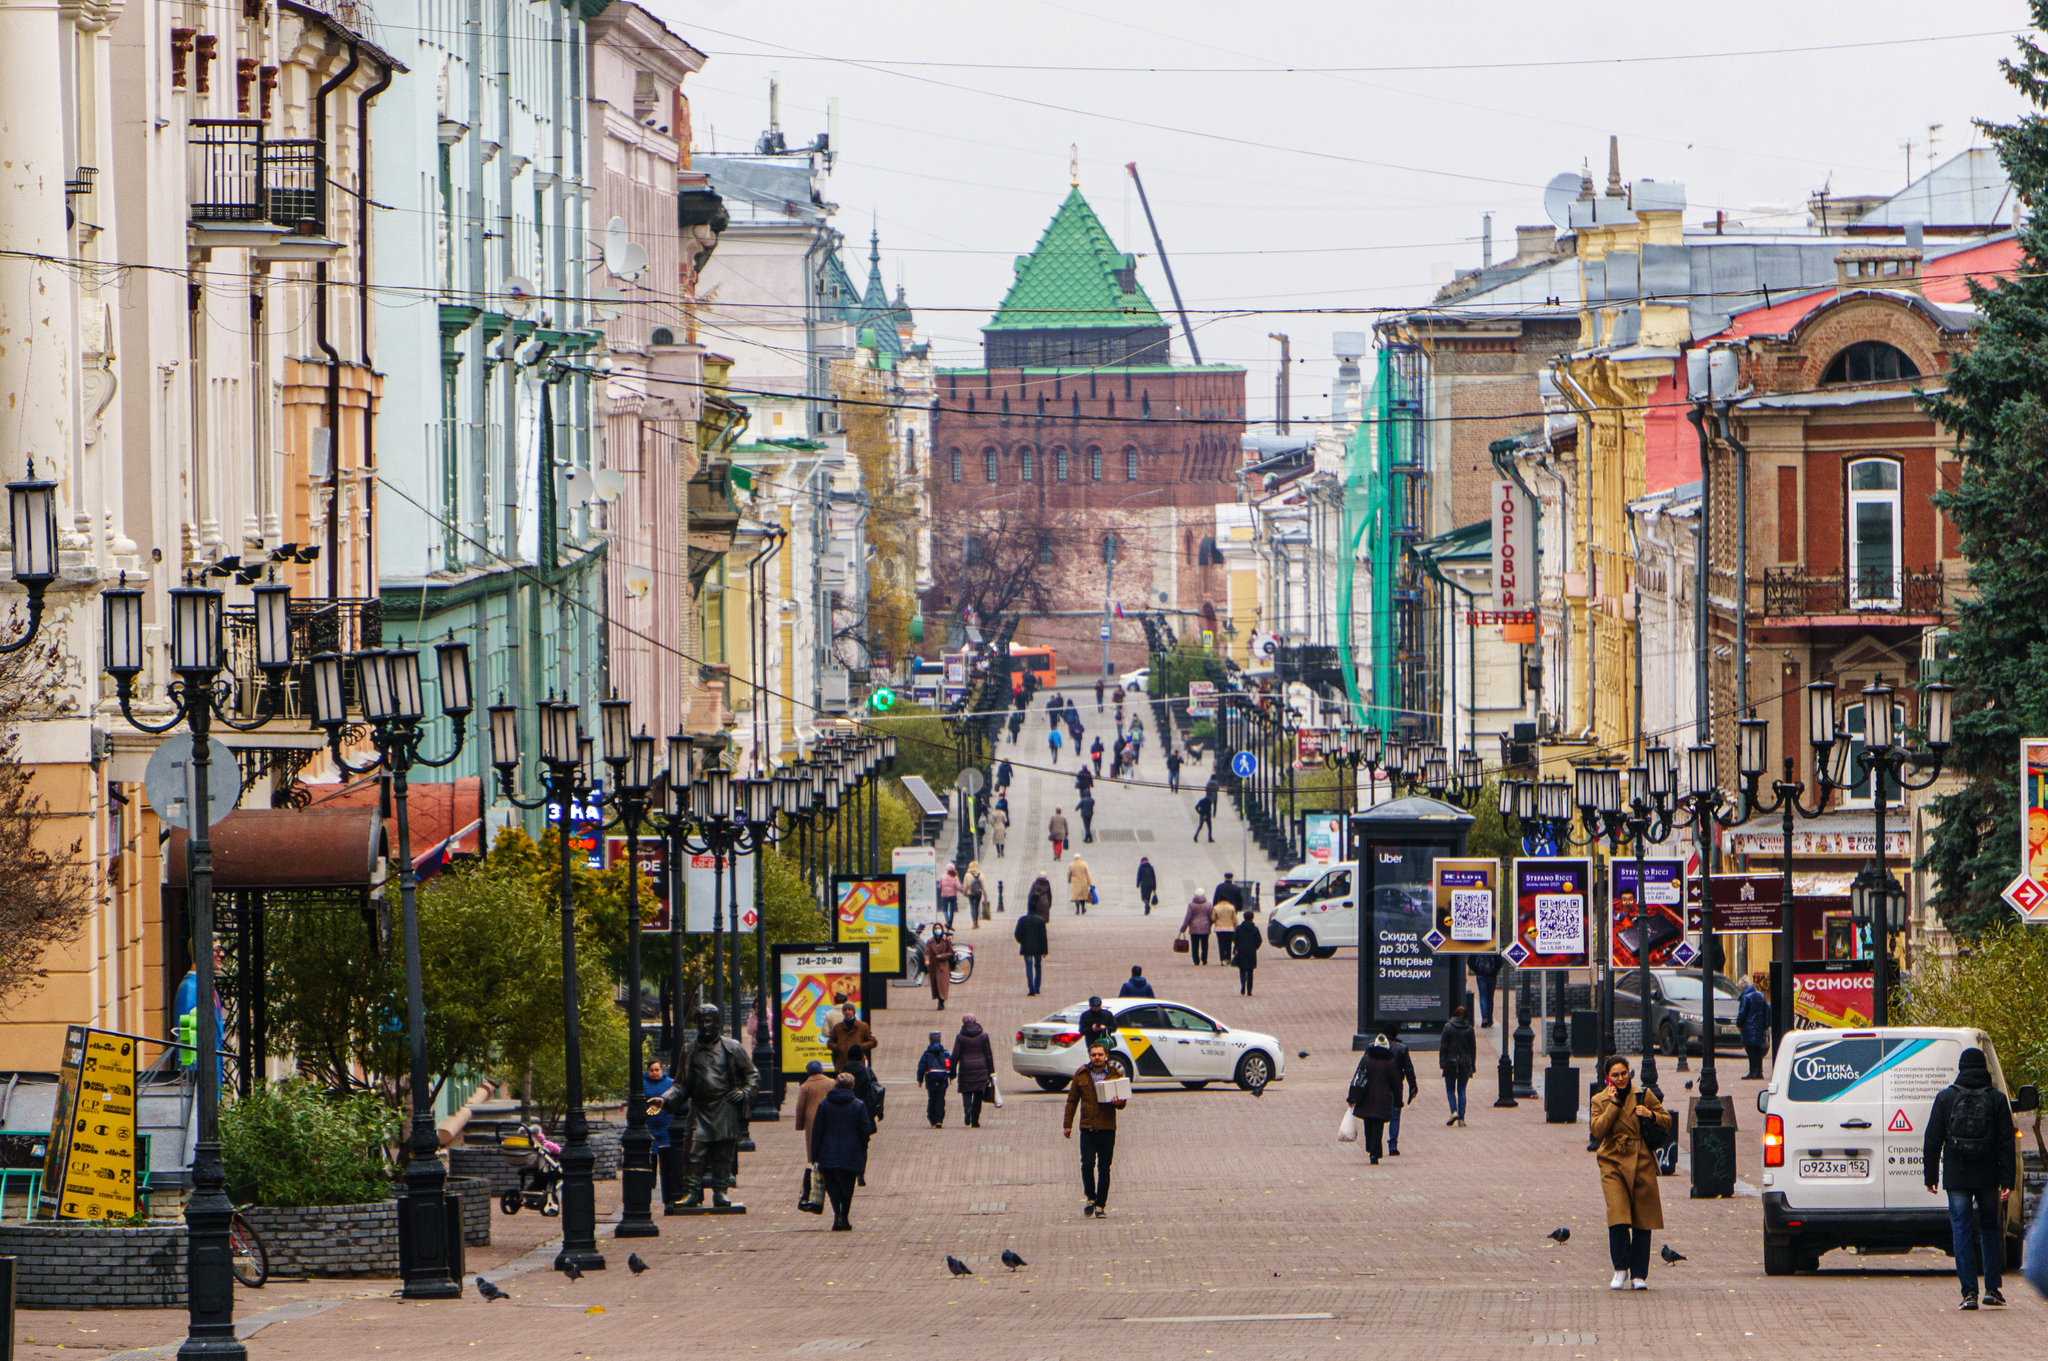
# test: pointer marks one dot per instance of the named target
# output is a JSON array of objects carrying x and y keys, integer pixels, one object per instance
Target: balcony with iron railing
[
  {"x": 317, "y": 626},
  {"x": 237, "y": 175},
  {"x": 1792, "y": 592}
]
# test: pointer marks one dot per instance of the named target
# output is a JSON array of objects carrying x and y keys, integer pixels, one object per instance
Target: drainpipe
[
  {"x": 327, "y": 348},
  {"x": 1585, "y": 455},
  {"x": 1701, "y": 694},
  {"x": 363, "y": 206},
  {"x": 1741, "y": 563}
]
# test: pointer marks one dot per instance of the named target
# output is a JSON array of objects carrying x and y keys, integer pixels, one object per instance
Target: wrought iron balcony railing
[
  {"x": 317, "y": 626},
  {"x": 1791, "y": 591},
  {"x": 238, "y": 175}
]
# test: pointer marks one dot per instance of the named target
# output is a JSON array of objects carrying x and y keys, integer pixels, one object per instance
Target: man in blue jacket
[
  {"x": 1753, "y": 1019},
  {"x": 1137, "y": 985},
  {"x": 658, "y": 1086}
]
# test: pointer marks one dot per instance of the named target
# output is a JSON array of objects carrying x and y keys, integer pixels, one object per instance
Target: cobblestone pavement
[{"x": 1238, "y": 1228}]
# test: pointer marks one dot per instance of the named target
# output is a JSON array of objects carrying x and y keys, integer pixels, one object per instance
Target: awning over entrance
[
  {"x": 446, "y": 819},
  {"x": 285, "y": 848}
]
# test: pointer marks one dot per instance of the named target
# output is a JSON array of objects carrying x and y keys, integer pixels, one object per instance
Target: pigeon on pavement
[
  {"x": 489, "y": 1291},
  {"x": 1560, "y": 1235},
  {"x": 1012, "y": 1260},
  {"x": 633, "y": 1261},
  {"x": 1669, "y": 1255},
  {"x": 571, "y": 1270},
  {"x": 957, "y": 1267}
]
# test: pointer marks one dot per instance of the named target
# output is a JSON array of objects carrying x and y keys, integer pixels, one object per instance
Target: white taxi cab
[{"x": 1157, "y": 1042}]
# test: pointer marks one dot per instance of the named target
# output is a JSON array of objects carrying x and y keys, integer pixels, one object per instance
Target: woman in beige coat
[
  {"x": 1079, "y": 883},
  {"x": 1628, "y": 1172}
]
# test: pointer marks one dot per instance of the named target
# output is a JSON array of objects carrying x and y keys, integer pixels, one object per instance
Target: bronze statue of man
[{"x": 715, "y": 1076}]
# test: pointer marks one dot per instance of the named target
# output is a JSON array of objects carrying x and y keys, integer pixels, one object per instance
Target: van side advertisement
[{"x": 813, "y": 984}]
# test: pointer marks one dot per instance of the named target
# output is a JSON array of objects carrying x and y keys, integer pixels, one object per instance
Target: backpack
[{"x": 1972, "y": 1128}]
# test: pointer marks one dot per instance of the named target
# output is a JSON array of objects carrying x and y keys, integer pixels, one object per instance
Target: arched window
[
  {"x": 1059, "y": 464},
  {"x": 1027, "y": 460},
  {"x": 1870, "y": 361},
  {"x": 1130, "y": 464},
  {"x": 1874, "y": 577},
  {"x": 1095, "y": 465},
  {"x": 995, "y": 469},
  {"x": 959, "y": 473}
]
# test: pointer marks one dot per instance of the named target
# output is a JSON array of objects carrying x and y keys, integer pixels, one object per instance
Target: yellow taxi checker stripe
[{"x": 1137, "y": 1043}]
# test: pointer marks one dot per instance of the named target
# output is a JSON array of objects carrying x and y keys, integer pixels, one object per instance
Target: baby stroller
[{"x": 540, "y": 1175}]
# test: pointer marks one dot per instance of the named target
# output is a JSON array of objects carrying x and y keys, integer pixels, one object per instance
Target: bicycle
[{"x": 250, "y": 1259}]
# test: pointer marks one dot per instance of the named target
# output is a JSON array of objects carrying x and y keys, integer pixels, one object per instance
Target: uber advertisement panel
[{"x": 1410, "y": 984}]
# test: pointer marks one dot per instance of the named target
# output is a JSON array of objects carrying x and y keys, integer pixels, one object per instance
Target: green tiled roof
[{"x": 1070, "y": 279}]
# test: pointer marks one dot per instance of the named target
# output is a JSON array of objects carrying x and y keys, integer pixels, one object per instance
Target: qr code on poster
[
  {"x": 1471, "y": 914},
  {"x": 1560, "y": 924}
]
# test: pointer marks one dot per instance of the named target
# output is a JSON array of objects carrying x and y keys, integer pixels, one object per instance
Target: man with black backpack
[{"x": 1969, "y": 1150}]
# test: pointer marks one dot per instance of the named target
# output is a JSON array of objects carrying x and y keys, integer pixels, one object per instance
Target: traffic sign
[
  {"x": 971, "y": 780},
  {"x": 1105, "y": 633},
  {"x": 2029, "y": 899},
  {"x": 1244, "y": 765},
  {"x": 167, "y": 781}
]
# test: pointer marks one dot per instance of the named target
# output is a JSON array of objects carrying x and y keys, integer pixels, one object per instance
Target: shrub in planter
[{"x": 296, "y": 1144}]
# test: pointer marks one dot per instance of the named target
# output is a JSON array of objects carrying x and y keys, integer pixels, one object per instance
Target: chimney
[
  {"x": 1486, "y": 241},
  {"x": 1892, "y": 267},
  {"x": 1534, "y": 243}
]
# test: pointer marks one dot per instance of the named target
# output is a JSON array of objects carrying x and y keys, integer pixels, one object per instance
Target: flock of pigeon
[{"x": 490, "y": 1292}]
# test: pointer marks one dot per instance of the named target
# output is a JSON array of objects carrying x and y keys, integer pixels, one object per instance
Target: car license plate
[
  {"x": 1811, "y": 1168},
  {"x": 1037, "y": 1042}
]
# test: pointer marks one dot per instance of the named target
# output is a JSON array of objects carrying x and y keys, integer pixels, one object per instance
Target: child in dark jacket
[{"x": 935, "y": 1071}]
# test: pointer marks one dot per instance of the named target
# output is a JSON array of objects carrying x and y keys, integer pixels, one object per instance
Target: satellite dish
[
  {"x": 518, "y": 295},
  {"x": 606, "y": 303},
  {"x": 1558, "y": 197},
  {"x": 639, "y": 581},
  {"x": 626, "y": 259},
  {"x": 608, "y": 483}
]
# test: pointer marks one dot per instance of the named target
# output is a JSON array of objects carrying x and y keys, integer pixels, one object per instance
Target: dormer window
[{"x": 1870, "y": 361}]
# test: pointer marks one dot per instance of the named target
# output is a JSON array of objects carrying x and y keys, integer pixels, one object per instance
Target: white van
[
  {"x": 1845, "y": 1115},
  {"x": 1320, "y": 918}
]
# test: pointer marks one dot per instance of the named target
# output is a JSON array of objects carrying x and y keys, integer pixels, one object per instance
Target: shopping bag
[
  {"x": 1180, "y": 945},
  {"x": 1347, "y": 1129},
  {"x": 1093, "y": 898},
  {"x": 812, "y": 1199},
  {"x": 995, "y": 1091}
]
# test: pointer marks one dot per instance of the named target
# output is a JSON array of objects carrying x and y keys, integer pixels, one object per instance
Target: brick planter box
[
  {"x": 94, "y": 1266},
  {"x": 477, "y": 1201},
  {"x": 329, "y": 1240}
]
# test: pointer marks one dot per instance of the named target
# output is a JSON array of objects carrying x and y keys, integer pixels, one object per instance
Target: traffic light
[{"x": 882, "y": 699}]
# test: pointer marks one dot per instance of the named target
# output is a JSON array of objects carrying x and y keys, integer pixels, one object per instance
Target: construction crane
[{"x": 1194, "y": 350}]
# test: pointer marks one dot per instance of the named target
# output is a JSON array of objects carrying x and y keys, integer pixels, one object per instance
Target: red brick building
[{"x": 1080, "y": 438}]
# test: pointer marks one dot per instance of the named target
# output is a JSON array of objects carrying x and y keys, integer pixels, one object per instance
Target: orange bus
[{"x": 1040, "y": 662}]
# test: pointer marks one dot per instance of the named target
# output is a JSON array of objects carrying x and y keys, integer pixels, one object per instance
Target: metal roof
[
  {"x": 1070, "y": 279},
  {"x": 1968, "y": 189}
]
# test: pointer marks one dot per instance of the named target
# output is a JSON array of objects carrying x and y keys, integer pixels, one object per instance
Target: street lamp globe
[
  {"x": 273, "y": 626},
  {"x": 122, "y": 607},
  {"x": 1941, "y": 698},
  {"x": 504, "y": 736},
  {"x": 451, "y": 661},
  {"x": 32, "y": 514},
  {"x": 407, "y": 700},
  {"x": 195, "y": 629},
  {"x": 373, "y": 684},
  {"x": 1877, "y": 715},
  {"x": 1702, "y": 767},
  {"x": 1820, "y": 713}
]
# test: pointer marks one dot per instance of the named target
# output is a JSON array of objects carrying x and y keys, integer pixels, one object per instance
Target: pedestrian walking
[
  {"x": 1753, "y": 1019},
  {"x": 1098, "y": 1126},
  {"x": 816, "y": 1083},
  {"x": 1228, "y": 898},
  {"x": 935, "y": 1071},
  {"x": 1485, "y": 968},
  {"x": 1173, "y": 770},
  {"x": 1623, "y": 1114},
  {"x": 949, "y": 893},
  {"x": 938, "y": 964},
  {"x": 1097, "y": 1023},
  {"x": 665, "y": 1160},
  {"x": 1085, "y": 806},
  {"x": 1375, "y": 1092},
  {"x": 1196, "y": 925},
  {"x": 974, "y": 1068},
  {"x": 1053, "y": 740},
  {"x": 1080, "y": 886},
  {"x": 1968, "y": 1149},
  {"x": 1016, "y": 725},
  {"x": 850, "y": 1039},
  {"x": 1137, "y": 985},
  {"x": 1457, "y": 1056},
  {"x": 1030, "y": 935},
  {"x": 1095, "y": 753},
  {"x": 1245, "y": 952},
  {"x": 1005, "y": 774},
  {"x": 1038, "y": 902},
  {"x": 976, "y": 890},
  {"x": 1404, "y": 1067},
  {"x": 840, "y": 1129},
  {"x": 1099, "y": 689},
  {"x": 998, "y": 825},
  {"x": 1084, "y": 780},
  {"x": 1148, "y": 884},
  {"x": 1056, "y": 831}
]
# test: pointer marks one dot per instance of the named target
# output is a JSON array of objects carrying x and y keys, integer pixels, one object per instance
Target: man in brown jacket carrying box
[{"x": 1098, "y": 1125}]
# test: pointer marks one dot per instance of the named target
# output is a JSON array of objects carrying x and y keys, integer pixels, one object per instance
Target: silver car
[{"x": 1675, "y": 1009}]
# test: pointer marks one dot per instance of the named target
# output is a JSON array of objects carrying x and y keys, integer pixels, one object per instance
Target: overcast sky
[{"x": 1284, "y": 191}]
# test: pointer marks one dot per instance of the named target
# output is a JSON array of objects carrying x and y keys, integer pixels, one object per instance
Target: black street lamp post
[
  {"x": 388, "y": 695},
  {"x": 1707, "y": 810},
  {"x": 200, "y": 696},
  {"x": 566, "y": 755},
  {"x": 631, "y": 757}
]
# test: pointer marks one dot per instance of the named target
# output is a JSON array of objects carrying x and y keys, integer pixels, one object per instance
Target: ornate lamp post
[
  {"x": 32, "y": 520},
  {"x": 388, "y": 693},
  {"x": 199, "y": 696},
  {"x": 631, "y": 758},
  {"x": 1706, "y": 810},
  {"x": 1886, "y": 762},
  {"x": 1461, "y": 787},
  {"x": 565, "y": 754},
  {"x": 1647, "y": 821}
]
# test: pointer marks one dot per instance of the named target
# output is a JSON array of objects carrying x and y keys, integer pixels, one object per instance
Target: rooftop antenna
[
  {"x": 1933, "y": 140},
  {"x": 1160, "y": 246},
  {"x": 774, "y": 102},
  {"x": 1074, "y": 164}
]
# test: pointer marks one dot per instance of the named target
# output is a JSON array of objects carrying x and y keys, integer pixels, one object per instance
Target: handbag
[
  {"x": 1347, "y": 1129},
  {"x": 1180, "y": 945},
  {"x": 811, "y": 1200}
]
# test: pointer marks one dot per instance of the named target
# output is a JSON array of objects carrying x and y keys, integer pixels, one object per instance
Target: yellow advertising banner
[
  {"x": 91, "y": 1169},
  {"x": 815, "y": 983},
  {"x": 870, "y": 912}
]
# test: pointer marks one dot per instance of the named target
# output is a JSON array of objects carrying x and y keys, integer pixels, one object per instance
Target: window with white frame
[{"x": 1874, "y": 570}]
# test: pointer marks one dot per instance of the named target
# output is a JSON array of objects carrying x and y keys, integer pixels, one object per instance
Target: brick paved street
[{"x": 1228, "y": 1208}]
